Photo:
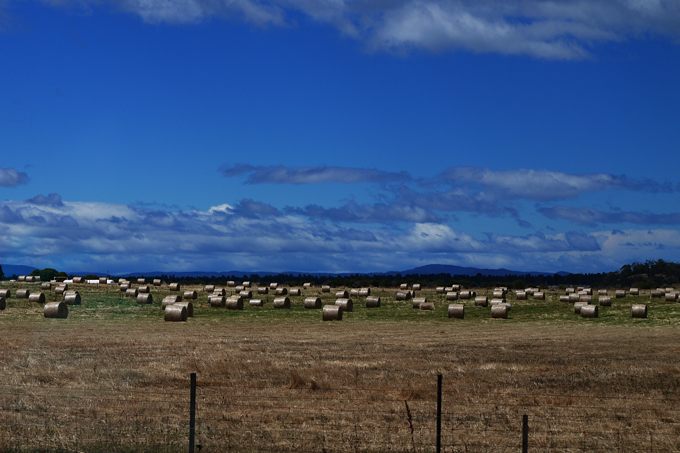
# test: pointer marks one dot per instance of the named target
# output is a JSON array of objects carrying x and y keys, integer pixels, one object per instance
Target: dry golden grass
[{"x": 120, "y": 383}]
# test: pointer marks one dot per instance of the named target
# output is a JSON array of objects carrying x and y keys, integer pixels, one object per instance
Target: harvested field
[{"x": 115, "y": 377}]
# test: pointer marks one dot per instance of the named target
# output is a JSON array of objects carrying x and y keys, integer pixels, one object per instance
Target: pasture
[{"x": 114, "y": 376}]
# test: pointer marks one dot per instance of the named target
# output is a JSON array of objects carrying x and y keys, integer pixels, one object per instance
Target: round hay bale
[
  {"x": 21, "y": 278},
  {"x": 440, "y": 290},
  {"x": 102, "y": 280},
  {"x": 585, "y": 298},
  {"x": 570, "y": 291},
  {"x": 373, "y": 302},
  {"x": 452, "y": 295},
  {"x": 325, "y": 289},
  {"x": 57, "y": 310},
  {"x": 6, "y": 293},
  {"x": 417, "y": 301},
  {"x": 364, "y": 292},
  {"x": 231, "y": 284},
  {"x": 246, "y": 284},
  {"x": 499, "y": 311},
  {"x": 573, "y": 297},
  {"x": 72, "y": 298},
  {"x": 209, "y": 288},
  {"x": 45, "y": 285},
  {"x": 124, "y": 287},
  {"x": 498, "y": 294},
  {"x": 456, "y": 311},
  {"x": 3, "y": 303},
  {"x": 657, "y": 292},
  {"x": 467, "y": 294},
  {"x": 132, "y": 293},
  {"x": 157, "y": 282},
  {"x": 174, "y": 287},
  {"x": 403, "y": 295},
  {"x": 671, "y": 297},
  {"x": 638, "y": 311},
  {"x": 589, "y": 311},
  {"x": 219, "y": 292},
  {"x": 256, "y": 303},
  {"x": 480, "y": 301},
  {"x": 281, "y": 302},
  {"x": 61, "y": 289},
  {"x": 281, "y": 291},
  {"x": 189, "y": 306},
  {"x": 144, "y": 289},
  {"x": 294, "y": 292},
  {"x": 564, "y": 298},
  {"x": 22, "y": 293},
  {"x": 175, "y": 313},
  {"x": 246, "y": 293},
  {"x": 342, "y": 294},
  {"x": 427, "y": 306},
  {"x": 588, "y": 291},
  {"x": 239, "y": 288},
  {"x": 529, "y": 291},
  {"x": 403, "y": 286},
  {"x": 520, "y": 295},
  {"x": 539, "y": 295},
  {"x": 331, "y": 313},
  {"x": 605, "y": 301},
  {"x": 354, "y": 292},
  {"x": 307, "y": 285},
  {"x": 456, "y": 287},
  {"x": 263, "y": 290},
  {"x": 620, "y": 293},
  {"x": 216, "y": 300},
  {"x": 144, "y": 298},
  {"x": 496, "y": 301},
  {"x": 140, "y": 281},
  {"x": 345, "y": 303},
  {"x": 170, "y": 300},
  {"x": 191, "y": 295},
  {"x": 273, "y": 285},
  {"x": 602, "y": 292},
  {"x": 578, "y": 306},
  {"x": 78, "y": 280},
  {"x": 312, "y": 302},
  {"x": 234, "y": 303},
  {"x": 634, "y": 291},
  {"x": 37, "y": 297},
  {"x": 416, "y": 287}
]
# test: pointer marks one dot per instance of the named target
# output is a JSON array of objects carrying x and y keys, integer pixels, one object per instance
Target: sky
[{"x": 339, "y": 135}]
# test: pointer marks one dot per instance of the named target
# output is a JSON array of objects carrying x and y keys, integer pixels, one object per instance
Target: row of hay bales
[{"x": 55, "y": 309}]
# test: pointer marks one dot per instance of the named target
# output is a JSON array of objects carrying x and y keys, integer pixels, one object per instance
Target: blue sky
[{"x": 339, "y": 135}]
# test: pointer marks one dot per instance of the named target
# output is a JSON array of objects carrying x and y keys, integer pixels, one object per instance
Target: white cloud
[{"x": 556, "y": 29}]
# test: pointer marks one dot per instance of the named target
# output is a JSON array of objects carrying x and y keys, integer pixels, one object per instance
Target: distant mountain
[
  {"x": 16, "y": 269},
  {"x": 431, "y": 269}
]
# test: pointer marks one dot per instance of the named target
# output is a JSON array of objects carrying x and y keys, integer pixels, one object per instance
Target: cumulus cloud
[
  {"x": 246, "y": 235},
  {"x": 10, "y": 177},
  {"x": 558, "y": 29},
  {"x": 587, "y": 216},
  {"x": 310, "y": 175}
]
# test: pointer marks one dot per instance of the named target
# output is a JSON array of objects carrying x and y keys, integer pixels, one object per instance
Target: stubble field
[{"x": 115, "y": 377}]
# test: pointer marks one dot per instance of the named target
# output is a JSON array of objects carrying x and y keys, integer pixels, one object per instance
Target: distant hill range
[
  {"x": 434, "y": 269},
  {"x": 16, "y": 269},
  {"x": 430, "y": 269}
]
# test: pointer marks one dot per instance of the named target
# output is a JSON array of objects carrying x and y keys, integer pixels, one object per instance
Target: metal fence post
[
  {"x": 525, "y": 433},
  {"x": 438, "y": 447},
  {"x": 192, "y": 413}
]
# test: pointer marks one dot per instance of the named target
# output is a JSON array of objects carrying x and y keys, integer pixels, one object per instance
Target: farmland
[{"x": 114, "y": 375}]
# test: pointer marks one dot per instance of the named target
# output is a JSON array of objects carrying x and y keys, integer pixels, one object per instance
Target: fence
[{"x": 308, "y": 416}]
